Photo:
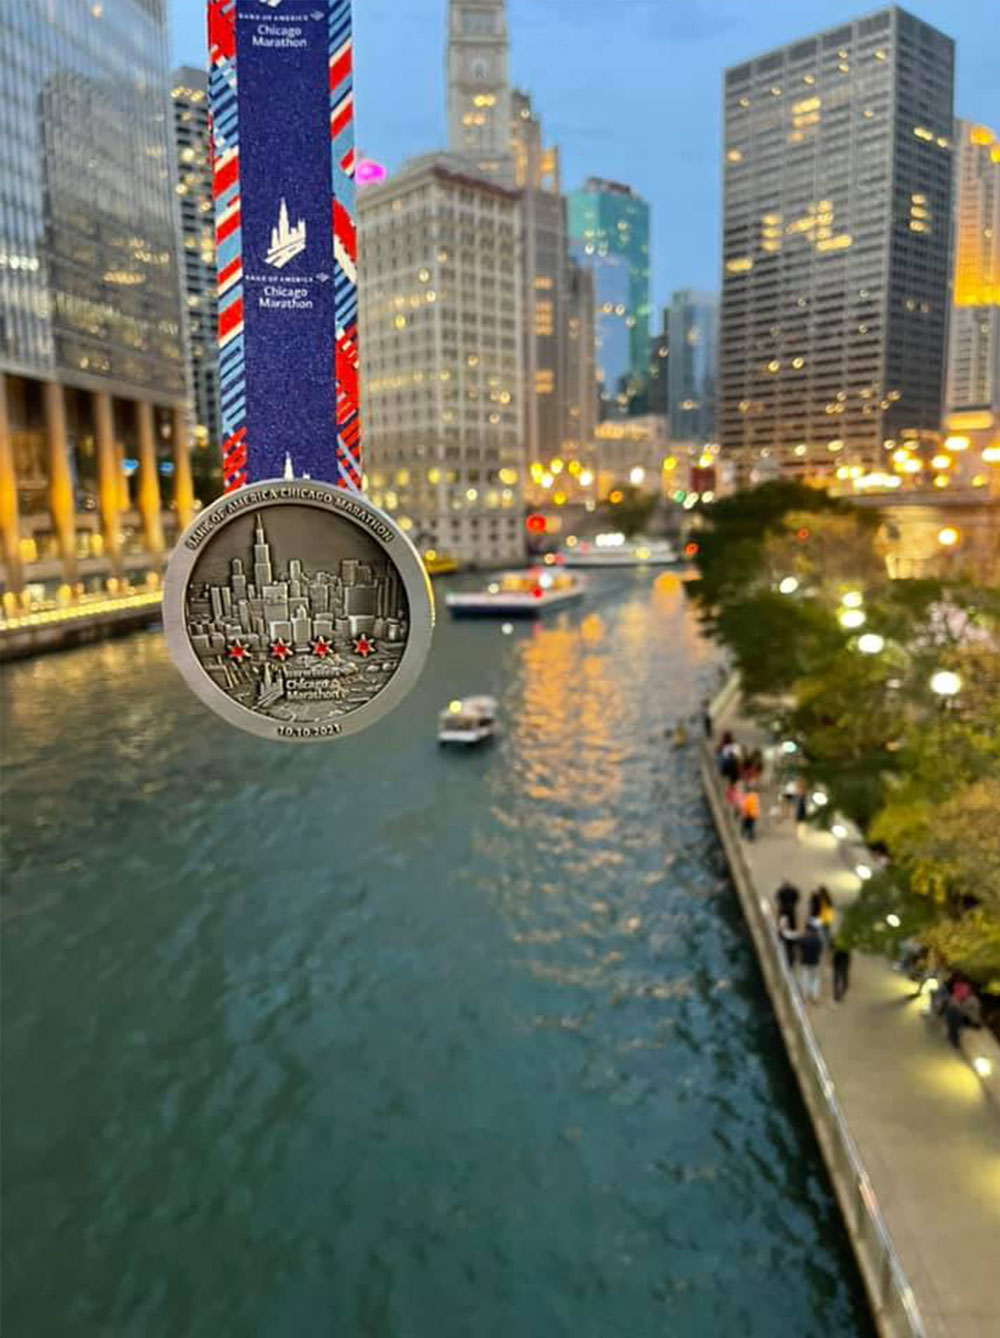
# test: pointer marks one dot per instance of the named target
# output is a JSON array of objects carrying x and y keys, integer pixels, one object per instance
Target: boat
[
  {"x": 439, "y": 564},
  {"x": 518, "y": 594},
  {"x": 468, "y": 720},
  {"x": 614, "y": 550}
]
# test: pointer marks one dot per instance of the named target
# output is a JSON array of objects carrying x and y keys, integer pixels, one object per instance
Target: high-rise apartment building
[
  {"x": 545, "y": 271},
  {"x": 836, "y": 221},
  {"x": 692, "y": 324},
  {"x": 609, "y": 234},
  {"x": 974, "y": 342},
  {"x": 442, "y": 350},
  {"x": 94, "y": 465},
  {"x": 479, "y": 103},
  {"x": 194, "y": 190}
]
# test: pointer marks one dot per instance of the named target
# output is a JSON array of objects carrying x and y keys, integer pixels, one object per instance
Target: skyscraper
[
  {"x": 581, "y": 371},
  {"x": 974, "y": 343},
  {"x": 609, "y": 233},
  {"x": 442, "y": 345},
  {"x": 94, "y": 468},
  {"x": 837, "y": 209},
  {"x": 478, "y": 87},
  {"x": 692, "y": 341},
  {"x": 545, "y": 270},
  {"x": 194, "y": 189},
  {"x": 658, "y": 375}
]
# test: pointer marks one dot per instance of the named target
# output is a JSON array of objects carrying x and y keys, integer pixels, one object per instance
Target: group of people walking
[
  {"x": 742, "y": 771},
  {"x": 809, "y": 948}
]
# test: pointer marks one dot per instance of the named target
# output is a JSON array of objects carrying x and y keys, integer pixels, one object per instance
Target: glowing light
[
  {"x": 615, "y": 497},
  {"x": 789, "y": 585},
  {"x": 839, "y": 831},
  {"x": 864, "y": 872},
  {"x": 948, "y": 537},
  {"x": 853, "y": 599},
  {"x": 820, "y": 798},
  {"x": 789, "y": 746},
  {"x": 956, "y": 443},
  {"x": 982, "y": 1066},
  {"x": 586, "y": 477},
  {"x": 946, "y": 683},
  {"x": 368, "y": 172},
  {"x": 871, "y": 643},
  {"x": 893, "y": 920},
  {"x": 941, "y": 462},
  {"x": 636, "y": 475},
  {"x": 506, "y": 628},
  {"x": 851, "y": 618}
]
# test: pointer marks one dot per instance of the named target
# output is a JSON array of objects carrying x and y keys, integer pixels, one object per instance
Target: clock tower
[{"x": 479, "y": 125}]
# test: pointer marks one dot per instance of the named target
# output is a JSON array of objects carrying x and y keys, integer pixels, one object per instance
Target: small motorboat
[
  {"x": 518, "y": 594},
  {"x": 468, "y": 720}
]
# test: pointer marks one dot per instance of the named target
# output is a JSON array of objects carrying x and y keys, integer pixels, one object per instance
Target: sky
[{"x": 628, "y": 89}]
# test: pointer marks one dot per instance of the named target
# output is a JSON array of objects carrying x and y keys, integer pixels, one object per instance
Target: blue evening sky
[{"x": 628, "y": 89}]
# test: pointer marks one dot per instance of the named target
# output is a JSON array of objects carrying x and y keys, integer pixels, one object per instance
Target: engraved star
[
  {"x": 280, "y": 650},
  {"x": 320, "y": 647},
  {"x": 363, "y": 647},
  {"x": 238, "y": 652}
]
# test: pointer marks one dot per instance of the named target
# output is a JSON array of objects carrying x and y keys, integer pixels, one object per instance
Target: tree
[{"x": 632, "y": 514}]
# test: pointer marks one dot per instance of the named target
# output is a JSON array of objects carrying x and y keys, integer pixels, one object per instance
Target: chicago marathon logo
[{"x": 286, "y": 242}]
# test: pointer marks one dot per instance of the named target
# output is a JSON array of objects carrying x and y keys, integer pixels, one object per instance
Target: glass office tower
[
  {"x": 691, "y": 321},
  {"x": 94, "y": 470},
  {"x": 609, "y": 234},
  {"x": 836, "y": 221}
]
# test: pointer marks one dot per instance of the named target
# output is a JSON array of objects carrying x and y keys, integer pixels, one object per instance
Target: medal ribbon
[{"x": 282, "y": 106}]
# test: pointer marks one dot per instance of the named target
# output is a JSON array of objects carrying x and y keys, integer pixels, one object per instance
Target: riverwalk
[{"x": 925, "y": 1128}]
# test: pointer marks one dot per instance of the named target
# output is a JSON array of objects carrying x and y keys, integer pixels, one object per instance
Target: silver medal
[{"x": 297, "y": 610}]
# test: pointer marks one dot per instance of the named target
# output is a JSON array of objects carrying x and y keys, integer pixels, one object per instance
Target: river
[{"x": 374, "y": 1040}]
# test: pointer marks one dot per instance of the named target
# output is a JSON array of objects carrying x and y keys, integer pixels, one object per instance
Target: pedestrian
[
  {"x": 810, "y": 957},
  {"x": 841, "y": 968},
  {"x": 789, "y": 794},
  {"x": 962, "y": 1009},
  {"x": 789, "y": 935},
  {"x": 801, "y": 805},
  {"x": 706, "y": 718},
  {"x": 821, "y": 908},
  {"x": 751, "y": 812},
  {"x": 787, "y": 898}
]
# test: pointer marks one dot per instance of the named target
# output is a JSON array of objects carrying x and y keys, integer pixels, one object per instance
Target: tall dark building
[
  {"x": 692, "y": 321},
  {"x": 94, "y": 469},
  {"x": 837, "y": 209},
  {"x": 545, "y": 274},
  {"x": 658, "y": 377}
]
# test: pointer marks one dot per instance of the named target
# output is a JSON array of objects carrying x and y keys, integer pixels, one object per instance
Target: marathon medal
[{"x": 292, "y": 606}]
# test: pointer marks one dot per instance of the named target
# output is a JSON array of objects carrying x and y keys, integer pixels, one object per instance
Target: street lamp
[
  {"x": 946, "y": 683},
  {"x": 871, "y": 643},
  {"x": 852, "y": 618},
  {"x": 789, "y": 585},
  {"x": 948, "y": 537},
  {"x": 853, "y": 599}
]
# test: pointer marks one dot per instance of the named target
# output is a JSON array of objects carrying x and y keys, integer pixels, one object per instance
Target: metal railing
[{"x": 889, "y": 1290}]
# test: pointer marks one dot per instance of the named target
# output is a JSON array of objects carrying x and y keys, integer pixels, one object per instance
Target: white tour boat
[
  {"x": 468, "y": 720},
  {"x": 518, "y": 594},
  {"x": 614, "y": 550}
]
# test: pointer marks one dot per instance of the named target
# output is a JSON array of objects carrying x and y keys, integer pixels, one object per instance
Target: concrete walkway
[{"x": 926, "y": 1131}]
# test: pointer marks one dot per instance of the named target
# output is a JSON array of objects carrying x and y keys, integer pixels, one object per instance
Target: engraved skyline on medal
[{"x": 296, "y": 614}]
